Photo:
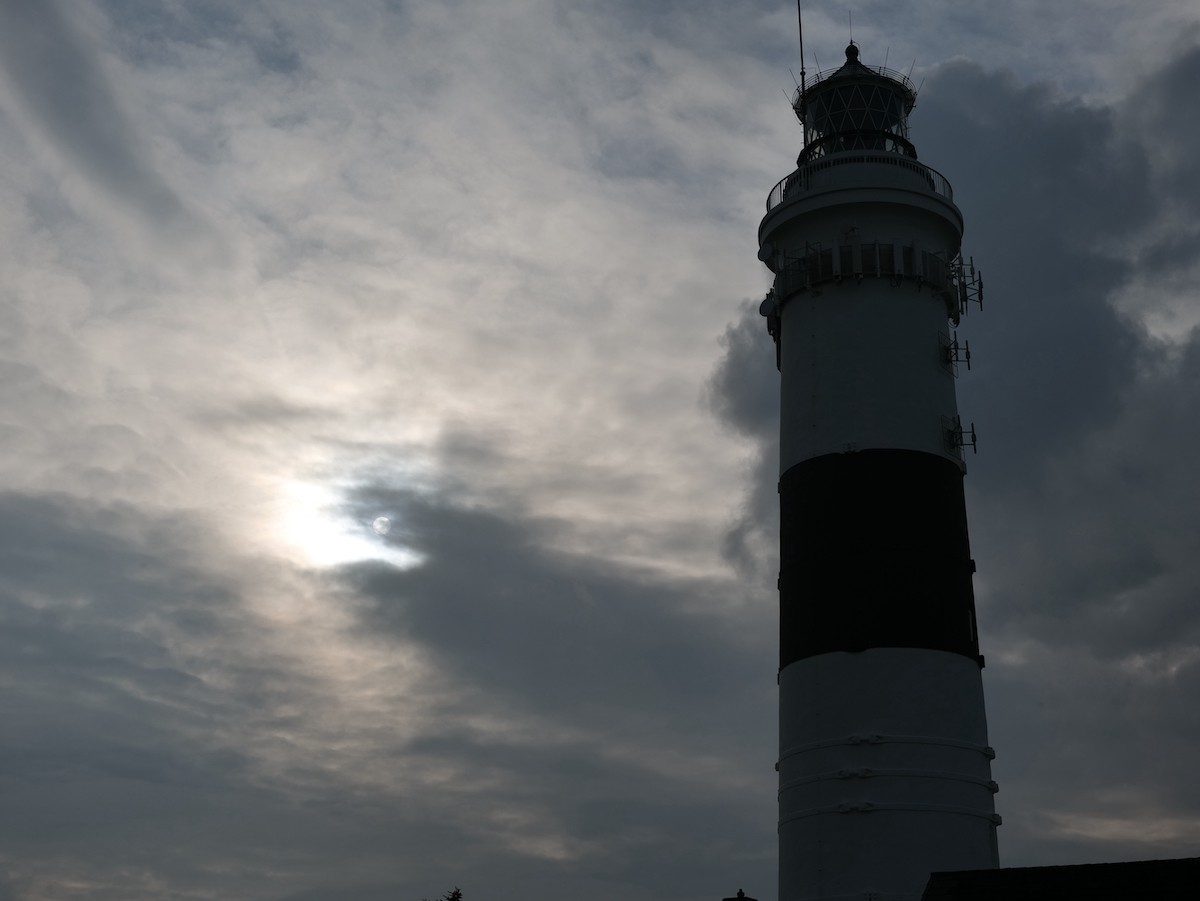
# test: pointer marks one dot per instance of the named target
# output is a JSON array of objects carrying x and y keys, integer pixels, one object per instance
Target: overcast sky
[{"x": 388, "y": 436}]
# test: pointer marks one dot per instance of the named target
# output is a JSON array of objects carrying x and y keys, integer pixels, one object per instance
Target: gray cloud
[
  {"x": 743, "y": 393},
  {"x": 584, "y": 640},
  {"x": 129, "y": 700},
  {"x": 157, "y": 31},
  {"x": 589, "y": 655},
  {"x": 1064, "y": 185},
  {"x": 62, "y": 86}
]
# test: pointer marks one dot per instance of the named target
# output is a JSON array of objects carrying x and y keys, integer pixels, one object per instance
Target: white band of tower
[{"x": 884, "y": 764}]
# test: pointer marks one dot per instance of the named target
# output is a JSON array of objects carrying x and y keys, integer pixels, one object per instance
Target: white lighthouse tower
[{"x": 884, "y": 763}]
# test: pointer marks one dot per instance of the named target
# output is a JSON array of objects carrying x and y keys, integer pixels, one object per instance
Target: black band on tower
[{"x": 874, "y": 553}]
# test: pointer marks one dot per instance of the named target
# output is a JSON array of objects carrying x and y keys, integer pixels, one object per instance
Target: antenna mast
[{"x": 801, "y": 110}]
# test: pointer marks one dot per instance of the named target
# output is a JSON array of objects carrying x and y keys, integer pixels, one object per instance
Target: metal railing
[
  {"x": 800, "y": 181},
  {"x": 882, "y": 71}
]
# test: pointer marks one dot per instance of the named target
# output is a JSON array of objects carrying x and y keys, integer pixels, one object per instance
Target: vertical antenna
[
  {"x": 803, "y": 116},
  {"x": 850, "y": 20}
]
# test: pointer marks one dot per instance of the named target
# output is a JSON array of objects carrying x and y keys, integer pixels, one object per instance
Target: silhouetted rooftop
[{"x": 1144, "y": 880}]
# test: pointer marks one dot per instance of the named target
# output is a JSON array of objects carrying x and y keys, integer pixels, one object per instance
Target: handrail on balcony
[
  {"x": 826, "y": 74},
  {"x": 796, "y": 184}
]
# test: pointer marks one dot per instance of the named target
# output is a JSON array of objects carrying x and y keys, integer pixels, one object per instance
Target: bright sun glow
[{"x": 323, "y": 536}]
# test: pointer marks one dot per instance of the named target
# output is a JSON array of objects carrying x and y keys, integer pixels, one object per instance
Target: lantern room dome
[{"x": 855, "y": 107}]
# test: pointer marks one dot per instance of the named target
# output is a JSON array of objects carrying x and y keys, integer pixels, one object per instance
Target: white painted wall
[
  {"x": 884, "y": 773},
  {"x": 861, "y": 359}
]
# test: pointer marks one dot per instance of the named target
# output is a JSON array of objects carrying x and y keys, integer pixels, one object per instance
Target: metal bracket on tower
[
  {"x": 957, "y": 437},
  {"x": 953, "y": 353},
  {"x": 969, "y": 284},
  {"x": 770, "y": 309}
]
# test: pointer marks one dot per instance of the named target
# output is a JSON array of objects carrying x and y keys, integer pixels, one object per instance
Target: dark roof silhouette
[{"x": 1145, "y": 880}]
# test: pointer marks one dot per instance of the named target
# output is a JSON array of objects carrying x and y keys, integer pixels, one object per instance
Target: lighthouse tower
[{"x": 884, "y": 763}]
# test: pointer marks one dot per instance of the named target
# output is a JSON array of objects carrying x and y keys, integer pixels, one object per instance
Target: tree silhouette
[{"x": 455, "y": 894}]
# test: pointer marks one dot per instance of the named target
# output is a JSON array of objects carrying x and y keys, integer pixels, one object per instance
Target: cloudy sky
[{"x": 388, "y": 436}]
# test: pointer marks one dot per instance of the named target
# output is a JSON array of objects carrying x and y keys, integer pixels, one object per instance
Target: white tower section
[{"x": 884, "y": 764}]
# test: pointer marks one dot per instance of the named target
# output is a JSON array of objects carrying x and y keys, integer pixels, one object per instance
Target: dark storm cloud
[
  {"x": 1094, "y": 760},
  {"x": 1164, "y": 116},
  {"x": 1049, "y": 188},
  {"x": 1083, "y": 500},
  {"x": 1098, "y": 551},
  {"x": 743, "y": 393},
  {"x": 1082, "y": 413},
  {"x": 586, "y": 650},
  {"x": 576, "y": 637},
  {"x": 62, "y": 87}
]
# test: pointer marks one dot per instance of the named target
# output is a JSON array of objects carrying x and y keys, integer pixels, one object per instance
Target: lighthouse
[{"x": 884, "y": 762}]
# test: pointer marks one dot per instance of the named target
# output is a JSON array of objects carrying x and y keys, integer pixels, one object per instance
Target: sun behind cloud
[{"x": 316, "y": 531}]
